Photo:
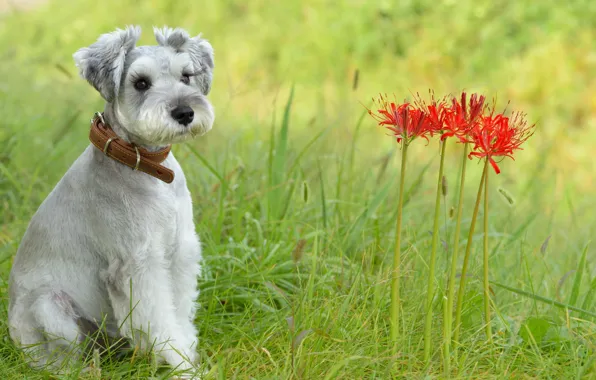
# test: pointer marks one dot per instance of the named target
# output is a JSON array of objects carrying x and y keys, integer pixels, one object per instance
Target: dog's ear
[
  {"x": 102, "y": 63},
  {"x": 199, "y": 50}
]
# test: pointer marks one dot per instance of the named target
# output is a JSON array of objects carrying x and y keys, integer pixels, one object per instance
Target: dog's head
[{"x": 157, "y": 93}]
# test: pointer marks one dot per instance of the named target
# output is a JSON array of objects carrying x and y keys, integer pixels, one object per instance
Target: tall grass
[{"x": 297, "y": 281}]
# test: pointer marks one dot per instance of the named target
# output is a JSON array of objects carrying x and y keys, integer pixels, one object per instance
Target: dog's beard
[{"x": 155, "y": 126}]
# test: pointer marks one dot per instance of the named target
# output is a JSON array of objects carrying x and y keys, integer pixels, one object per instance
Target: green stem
[
  {"x": 486, "y": 285},
  {"x": 447, "y": 356},
  {"x": 462, "y": 279},
  {"x": 447, "y": 322},
  {"x": 433, "y": 259},
  {"x": 395, "y": 274}
]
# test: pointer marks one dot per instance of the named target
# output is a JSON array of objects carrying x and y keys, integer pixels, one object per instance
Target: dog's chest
[
  {"x": 143, "y": 221},
  {"x": 133, "y": 213},
  {"x": 164, "y": 215}
]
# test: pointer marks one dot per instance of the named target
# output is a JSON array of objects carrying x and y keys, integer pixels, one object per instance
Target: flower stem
[
  {"x": 433, "y": 259},
  {"x": 395, "y": 274},
  {"x": 462, "y": 280},
  {"x": 486, "y": 285},
  {"x": 447, "y": 322}
]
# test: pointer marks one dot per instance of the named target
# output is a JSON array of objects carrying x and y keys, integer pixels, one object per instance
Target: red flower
[
  {"x": 404, "y": 121},
  {"x": 436, "y": 113},
  {"x": 454, "y": 120},
  {"x": 462, "y": 116},
  {"x": 499, "y": 136}
]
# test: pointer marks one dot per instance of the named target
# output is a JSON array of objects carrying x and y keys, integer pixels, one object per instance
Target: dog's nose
[{"x": 183, "y": 114}]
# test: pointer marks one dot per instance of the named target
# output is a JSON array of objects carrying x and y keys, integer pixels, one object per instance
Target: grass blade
[
  {"x": 278, "y": 160},
  {"x": 590, "y": 295},
  {"x": 355, "y": 228},
  {"x": 413, "y": 189},
  {"x": 305, "y": 149},
  {"x": 578, "y": 277},
  {"x": 290, "y": 172},
  {"x": 522, "y": 228},
  {"x": 206, "y": 163},
  {"x": 323, "y": 199},
  {"x": 332, "y": 374},
  {"x": 549, "y": 301}
]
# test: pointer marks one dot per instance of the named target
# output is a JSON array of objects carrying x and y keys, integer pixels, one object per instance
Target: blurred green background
[{"x": 539, "y": 55}]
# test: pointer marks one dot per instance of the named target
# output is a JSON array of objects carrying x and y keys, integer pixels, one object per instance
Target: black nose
[{"x": 183, "y": 114}]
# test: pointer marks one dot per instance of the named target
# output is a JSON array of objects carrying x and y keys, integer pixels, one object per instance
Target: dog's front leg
[
  {"x": 185, "y": 270},
  {"x": 141, "y": 295}
]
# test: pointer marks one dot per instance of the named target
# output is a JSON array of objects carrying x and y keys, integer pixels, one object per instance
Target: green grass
[{"x": 295, "y": 201}]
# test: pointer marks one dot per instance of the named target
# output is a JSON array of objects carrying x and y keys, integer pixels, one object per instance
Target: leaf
[
  {"x": 578, "y": 277},
  {"x": 557, "y": 335},
  {"x": 534, "y": 329}
]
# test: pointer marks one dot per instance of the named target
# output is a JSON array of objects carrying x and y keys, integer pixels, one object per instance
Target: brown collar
[{"x": 137, "y": 158}]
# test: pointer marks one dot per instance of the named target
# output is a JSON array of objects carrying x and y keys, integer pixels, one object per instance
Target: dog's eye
[
  {"x": 142, "y": 84},
  {"x": 185, "y": 79}
]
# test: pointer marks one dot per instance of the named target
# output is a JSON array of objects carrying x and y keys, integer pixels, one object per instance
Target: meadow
[{"x": 295, "y": 187}]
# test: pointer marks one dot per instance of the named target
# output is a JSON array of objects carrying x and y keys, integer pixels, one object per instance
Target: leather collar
[{"x": 105, "y": 139}]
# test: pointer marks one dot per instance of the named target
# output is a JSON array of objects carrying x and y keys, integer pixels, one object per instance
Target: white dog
[{"x": 114, "y": 243}]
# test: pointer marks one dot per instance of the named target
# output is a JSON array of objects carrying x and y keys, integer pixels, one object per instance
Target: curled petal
[{"x": 494, "y": 165}]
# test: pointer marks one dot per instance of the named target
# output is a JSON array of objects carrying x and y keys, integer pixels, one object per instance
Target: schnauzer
[{"x": 114, "y": 244}]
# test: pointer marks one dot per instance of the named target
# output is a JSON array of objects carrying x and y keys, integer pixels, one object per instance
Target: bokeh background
[
  {"x": 540, "y": 55},
  {"x": 337, "y": 55}
]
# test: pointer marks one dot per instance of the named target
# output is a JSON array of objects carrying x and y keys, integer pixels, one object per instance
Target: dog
[{"x": 114, "y": 244}]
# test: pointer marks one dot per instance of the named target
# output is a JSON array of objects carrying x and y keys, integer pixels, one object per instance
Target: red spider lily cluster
[
  {"x": 499, "y": 136},
  {"x": 469, "y": 120}
]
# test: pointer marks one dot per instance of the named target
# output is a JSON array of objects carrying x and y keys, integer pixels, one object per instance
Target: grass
[{"x": 295, "y": 200}]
